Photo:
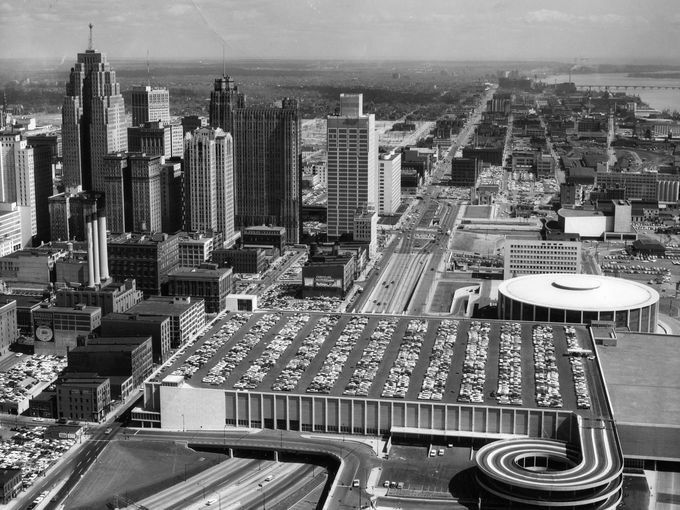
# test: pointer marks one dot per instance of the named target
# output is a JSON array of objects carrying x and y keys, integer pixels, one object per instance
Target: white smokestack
[
  {"x": 90, "y": 255},
  {"x": 95, "y": 245},
  {"x": 103, "y": 250}
]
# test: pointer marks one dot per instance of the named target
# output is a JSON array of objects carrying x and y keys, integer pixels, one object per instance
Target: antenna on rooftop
[
  {"x": 148, "y": 73},
  {"x": 89, "y": 42},
  {"x": 224, "y": 63}
]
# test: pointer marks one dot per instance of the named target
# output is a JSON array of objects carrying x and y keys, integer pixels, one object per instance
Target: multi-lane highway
[
  {"x": 356, "y": 459},
  {"x": 411, "y": 265}
]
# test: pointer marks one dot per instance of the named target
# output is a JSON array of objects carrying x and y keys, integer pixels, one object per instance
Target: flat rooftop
[
  {"x": 643, "y": 379},
  {"x": 331, "y": 354}
]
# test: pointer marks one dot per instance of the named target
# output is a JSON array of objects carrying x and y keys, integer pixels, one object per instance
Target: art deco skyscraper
[
  {"x": 224, "y": 99},
  {"x": 268, "y": 167},
  {"x": 209, "y": 177},
  {"x": 352, "y": 153},
  {"x": 93, "y": 120}
]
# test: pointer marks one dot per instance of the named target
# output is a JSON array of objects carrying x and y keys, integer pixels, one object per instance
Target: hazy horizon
[{"x": 352, "y": 30}]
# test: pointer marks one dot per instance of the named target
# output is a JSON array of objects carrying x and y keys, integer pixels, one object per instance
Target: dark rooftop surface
[
  {"x": 161, "y": 306},
  {"x": 205, "y": 358}
]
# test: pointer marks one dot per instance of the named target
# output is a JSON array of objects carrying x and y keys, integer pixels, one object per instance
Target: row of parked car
[
  {"x": 16, "y": 383},
  {"x": 367, "y": 367},
  {"x": 281, "y": 297},
  {"x": 30, "y": 451},
  {"x": 545, "y": 368},
  {"x": 434, "y": 381},
  {"x": 237, "y": 353},
  {"x": 474, "y": 365},
  {"x": 399, "y": 377},
  {"x": 578, "y": 370},
  {"x": 289, "y": 377},
  {"x": 510, "y": 364},
  {"x": 208, "y": 348},
  {"x": 261, "y": 366},
  {"x": 324, "y": 381}
]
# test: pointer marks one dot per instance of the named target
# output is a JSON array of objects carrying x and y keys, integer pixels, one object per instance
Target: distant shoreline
[{"x": 658, "y": 75}]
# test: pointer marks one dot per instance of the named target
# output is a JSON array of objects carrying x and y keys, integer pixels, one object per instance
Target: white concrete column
[
  {"x": 90, "y": 255},
  {"x": 95, "y": 246},
  {"x": 103, "y": 249}
]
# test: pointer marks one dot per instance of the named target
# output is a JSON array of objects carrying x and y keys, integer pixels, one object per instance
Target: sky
[{"x": 598, "y": 30}]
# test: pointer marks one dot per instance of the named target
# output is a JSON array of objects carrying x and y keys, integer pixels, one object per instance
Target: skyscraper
[
  {"x": 268, "y": 167},
  {"x": 157, "y": 139},
  {"x": 45, "y": 154},
  {"x": 93, "y": 120},
  {"x": 224, "y": 99},
  {"x": 17, "y": 179},
  {"x": 209, "y": 181},
  {"x": 150, "y": 104},
  {"x": 132, "y": 186},
  {"x": 389, "y": 178},
  {"x": 352, "y": 156},
  {"x": 145, "y": 186}
]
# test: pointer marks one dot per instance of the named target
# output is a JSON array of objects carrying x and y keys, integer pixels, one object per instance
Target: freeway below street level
[
  {"x": 411, "y": 265},
  {"x": 357, "y": 458}
]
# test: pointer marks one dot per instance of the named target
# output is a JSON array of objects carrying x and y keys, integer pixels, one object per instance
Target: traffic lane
[
  {"x": 357, "y": 457},
  {"x": 78, "y": 465}
]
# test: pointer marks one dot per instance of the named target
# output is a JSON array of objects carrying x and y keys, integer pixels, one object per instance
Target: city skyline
[{"x": 320, "y": 29}]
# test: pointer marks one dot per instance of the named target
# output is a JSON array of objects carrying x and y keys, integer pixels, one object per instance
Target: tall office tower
[
  {"x": 157, "y": 139},
  {"x": 209, "y": 177},
  {"x": 352, "y": 156},
  {"x": 389, "y": 179},
  {"x": 145, "y": 185},
  {"x": 115, "y": 173},
  {"x": 132, "y": 186},
  {"x": 268, "y": 167},
  {"x": 172, "y": 196},
  {"x": 150, "y": 104},
  {"x": 93, "y": 120},
  {"x": 17, "y": 178},
  {"x": 45, "y": 155},
  {"x": 224, "y": 99}
]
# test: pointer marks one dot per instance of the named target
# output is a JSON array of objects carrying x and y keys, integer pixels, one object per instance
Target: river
[{"x": 659, "y": 99}]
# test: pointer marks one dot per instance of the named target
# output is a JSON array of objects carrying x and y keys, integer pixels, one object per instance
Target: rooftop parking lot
[
  {"x": 493, "y": 363},
  {"x": 17, "y": 382}
]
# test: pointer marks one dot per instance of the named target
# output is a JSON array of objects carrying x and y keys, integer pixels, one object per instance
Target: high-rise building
[
  {"x": 93, "y": 120},
  {"x": 389, "y": 183},
  {"x": 351, "y": 165},
  {"x": 209, "y": 181},
  {"x": 172, "y": 196},
  {"x": 45, "y": 155},
  {"x": 224, "y": 99},
  {"x": 268, "y": 167},
  {"x": 145, "y": 190},
  {"x": 17, "y": 178},
  {"x": 156, "y": 138},
  {"x": 132, "y": 185},
  {"x": 115, "y": 174},
  {"x": 150, "y": 104}
]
